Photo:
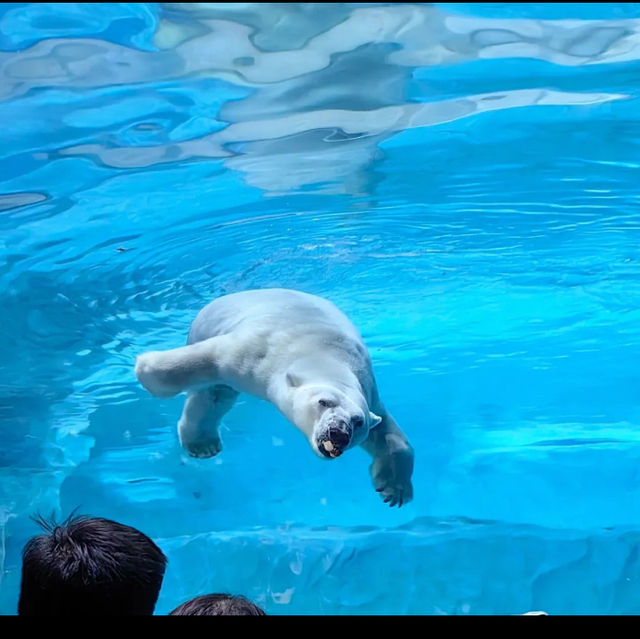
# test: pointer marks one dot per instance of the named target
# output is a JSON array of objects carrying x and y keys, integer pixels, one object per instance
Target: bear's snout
[{"x": 335, "y": 439}]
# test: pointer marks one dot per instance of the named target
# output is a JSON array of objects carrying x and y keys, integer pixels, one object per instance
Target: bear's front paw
[{"x": 391, "y": 474}]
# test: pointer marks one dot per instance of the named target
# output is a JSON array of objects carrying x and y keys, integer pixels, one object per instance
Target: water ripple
[{"x": 460, "y": 179}]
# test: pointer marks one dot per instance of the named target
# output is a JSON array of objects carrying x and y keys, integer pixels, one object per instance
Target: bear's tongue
[{"x": 331, "y": 449}]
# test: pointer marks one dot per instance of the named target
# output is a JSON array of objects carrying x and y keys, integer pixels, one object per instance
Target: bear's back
[{"x": 280, "y": 307}]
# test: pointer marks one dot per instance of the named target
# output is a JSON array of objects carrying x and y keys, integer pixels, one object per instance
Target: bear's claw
[{"x": 203, "y": 449}]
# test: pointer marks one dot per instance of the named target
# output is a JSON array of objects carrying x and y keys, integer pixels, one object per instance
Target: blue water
[{"x": 460, "y": 179}]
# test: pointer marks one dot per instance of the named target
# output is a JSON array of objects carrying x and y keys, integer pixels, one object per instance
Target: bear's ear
[
  {"x": 293, "y": 380},
  {"x": 374, "y": 419}
]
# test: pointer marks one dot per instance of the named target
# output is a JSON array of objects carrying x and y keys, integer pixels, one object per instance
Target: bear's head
[{"x": 333, "y": 420}]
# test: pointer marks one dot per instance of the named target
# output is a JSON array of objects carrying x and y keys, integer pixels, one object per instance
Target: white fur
[{"x": 295, "y": 350}]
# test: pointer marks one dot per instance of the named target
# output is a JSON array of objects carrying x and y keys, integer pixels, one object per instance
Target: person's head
[
  {"x": 90, "y": 566},
  {"x": 218, "y": 605}
]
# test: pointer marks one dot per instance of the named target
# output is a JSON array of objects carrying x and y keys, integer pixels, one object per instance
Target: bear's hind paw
[{"x": 203, "y": 449}]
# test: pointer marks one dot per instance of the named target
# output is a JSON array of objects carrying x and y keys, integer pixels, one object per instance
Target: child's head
[{"x": 212, "y": 605}]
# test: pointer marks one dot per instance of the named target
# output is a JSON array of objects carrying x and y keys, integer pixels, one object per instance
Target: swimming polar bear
[{"x": 297, "y": 351}]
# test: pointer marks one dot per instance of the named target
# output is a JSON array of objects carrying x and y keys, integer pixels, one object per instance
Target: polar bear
[{"x": 297, "y": 351}]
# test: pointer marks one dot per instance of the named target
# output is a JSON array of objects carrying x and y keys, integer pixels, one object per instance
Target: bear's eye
[
  {"x": 326, "y": 403},
  {"x": 357, "y": 421}
]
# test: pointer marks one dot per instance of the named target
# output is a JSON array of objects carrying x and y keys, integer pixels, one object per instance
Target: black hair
[
  {"x": 218, "y": 605},
  {"x": 90, "y": 566}
]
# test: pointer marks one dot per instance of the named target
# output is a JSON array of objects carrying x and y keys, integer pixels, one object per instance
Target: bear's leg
[
  {"x": 392, "y": 461},
  {"x": 167, "y": 373},
  {"x": 198, "y": 425}
]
